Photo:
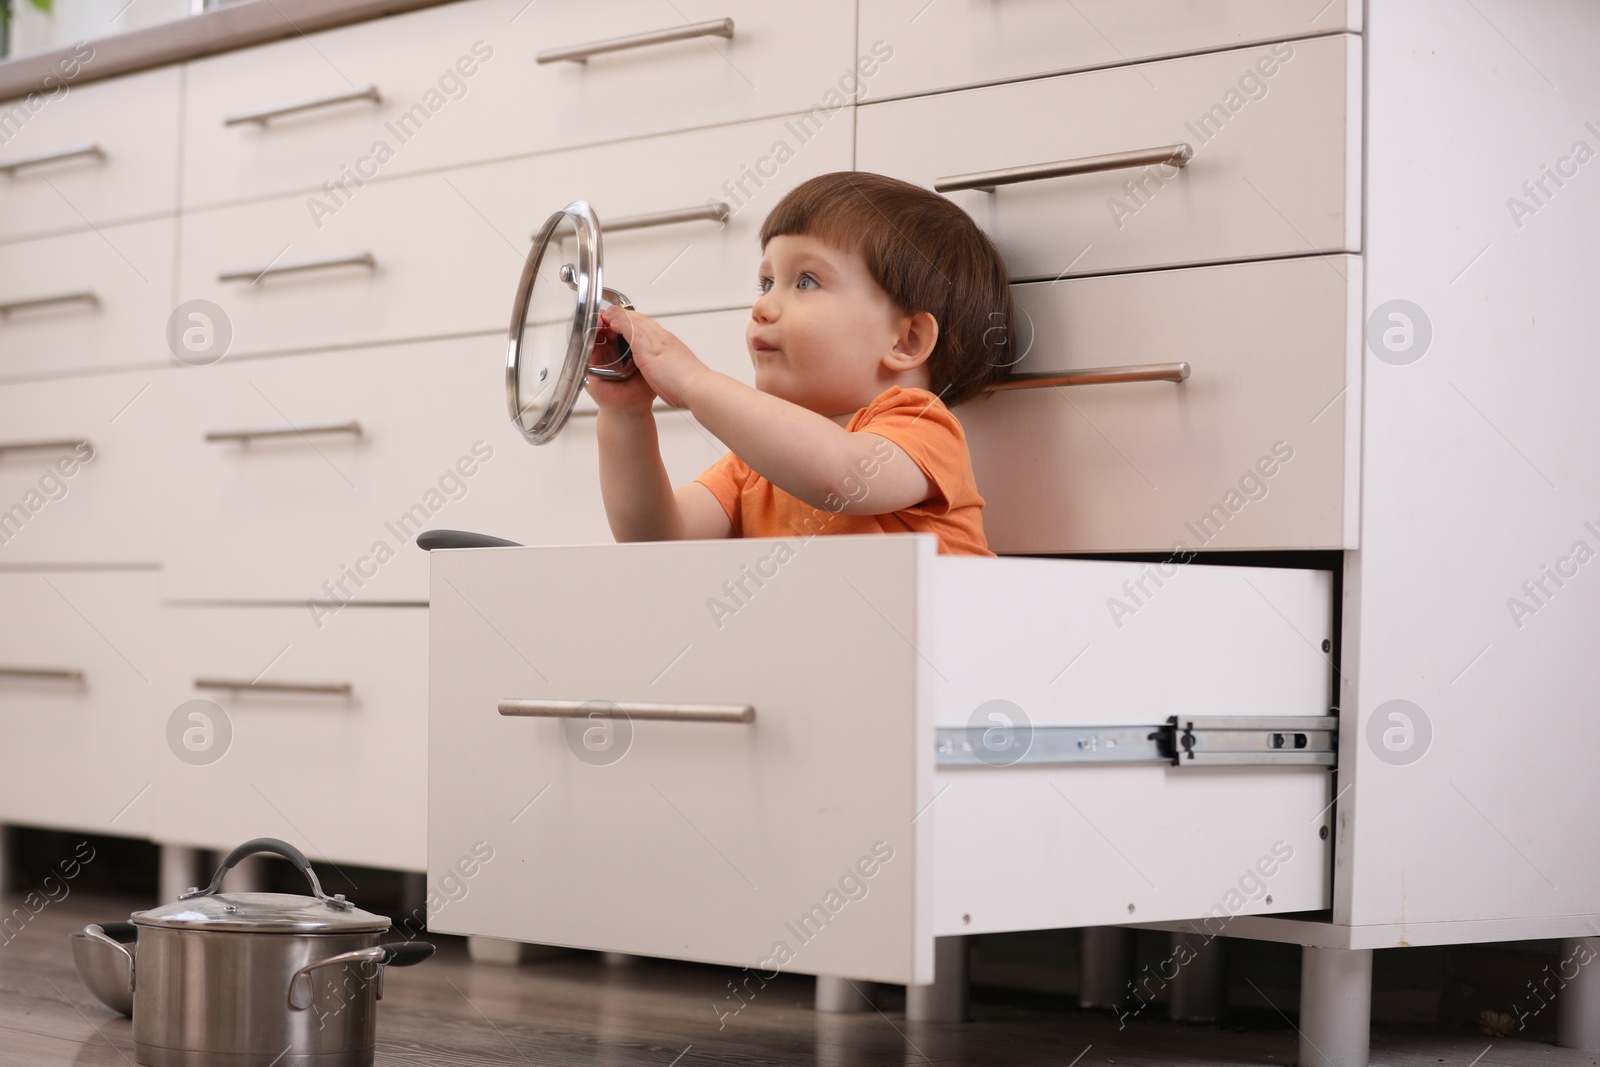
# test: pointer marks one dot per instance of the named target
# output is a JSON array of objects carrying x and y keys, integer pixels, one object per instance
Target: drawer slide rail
[{"x": 1189, "y": 741}]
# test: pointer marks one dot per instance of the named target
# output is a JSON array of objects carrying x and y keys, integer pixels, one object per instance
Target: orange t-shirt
[{"x": 920, "y": 424}]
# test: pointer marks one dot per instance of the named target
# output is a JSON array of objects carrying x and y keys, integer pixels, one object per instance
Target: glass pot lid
[
  {"x": 267, "y": 913},
  {"x": 555, "y": 321}
]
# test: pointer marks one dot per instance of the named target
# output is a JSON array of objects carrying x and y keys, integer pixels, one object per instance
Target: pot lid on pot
[{"x": 263, "y": 913}]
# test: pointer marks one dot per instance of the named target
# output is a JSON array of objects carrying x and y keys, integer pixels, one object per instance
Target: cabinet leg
[
  {"x": 495, "y": 950},
  {"x": 841, "y": 994},
  {"x": 945, "y": 1001},
  {"x": 619, "y": 959},
  {"x": 1199, "y": 992},
  {"x": 1107, "y": 966},
  {"x": 1578, "y": 1004},
  {"x": 249, "y": 875},
  {"x": 1335, "y": 1006},
  {"x": 180, "y": 871}
]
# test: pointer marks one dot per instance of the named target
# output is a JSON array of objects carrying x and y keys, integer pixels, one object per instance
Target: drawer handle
[
  {"x": 336, "y": 689},
  {"x": 578, "y": 709},
  {"x": 252, "y": 274},
  {"x": 267, "y": 114},
  {"x": 34, "y": 303},
  {"x": 43, "y": 674},
  {"x": 715, "y": 212},
  {"x": 577, "y": 53},
  {"x": 82, "y": 151},
  {"x": 1176, "y": 154},
  {"x": 1146, "y": 372},
  {"x": 41, "y": 446},
  {"x": 245, "y": 436}
]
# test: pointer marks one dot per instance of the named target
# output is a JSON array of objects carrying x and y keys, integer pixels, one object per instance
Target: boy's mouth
[{"x": 758, "y": 345}]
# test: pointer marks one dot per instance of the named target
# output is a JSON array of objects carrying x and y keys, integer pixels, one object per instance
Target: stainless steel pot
[{"x": 258, "y": 979}]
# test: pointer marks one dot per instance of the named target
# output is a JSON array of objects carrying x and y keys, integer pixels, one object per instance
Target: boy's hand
[
  {"x": 663, "y": 360},
  {"x": 633, "y": 392}
]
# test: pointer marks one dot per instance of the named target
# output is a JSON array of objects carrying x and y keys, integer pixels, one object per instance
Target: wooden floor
[{"x": 577, "y": 1010}]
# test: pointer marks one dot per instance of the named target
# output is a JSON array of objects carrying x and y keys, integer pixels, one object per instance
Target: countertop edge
[{"x": 223, "y": 30}]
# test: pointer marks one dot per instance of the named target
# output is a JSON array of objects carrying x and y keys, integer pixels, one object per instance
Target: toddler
[{"x": 881, "y": 305}]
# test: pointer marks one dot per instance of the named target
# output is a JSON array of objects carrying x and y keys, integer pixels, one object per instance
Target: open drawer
[{"x": 834, "y": 821}]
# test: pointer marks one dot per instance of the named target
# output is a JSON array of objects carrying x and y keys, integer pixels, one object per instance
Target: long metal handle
[
  {"x": 577, "y": 53},
  {"x": 95, "y": 931},
  {"x": 40, "y": 446},
  {"x": 1144, "y": 372},
  {"x": 714, "y": 212},
  {"x": 43, "y": 674},
  {"x": 53, "y": 157},
  {"x": 250, "y": 274},
  {"x": 352, "y": 427},
  {"x": 267, "y": 114},
  {"x": 340, "y": 689},
  {"x": 578, "y": 709},
  {"x": 87, "y": 296},
  {"x": 1176, "y": 154}
]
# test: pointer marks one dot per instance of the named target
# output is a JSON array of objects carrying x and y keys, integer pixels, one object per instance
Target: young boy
[{"x": 881, "y": 306}]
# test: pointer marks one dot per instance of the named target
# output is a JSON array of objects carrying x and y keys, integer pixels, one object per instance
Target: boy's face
[{"x": 821, "y": 328}]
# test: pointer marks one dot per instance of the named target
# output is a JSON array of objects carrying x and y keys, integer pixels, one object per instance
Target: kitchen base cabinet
[
  {"x": 757, "y": 762},
  {"x": 286, "y": 729},
  {"x": 77, "y": 659}
]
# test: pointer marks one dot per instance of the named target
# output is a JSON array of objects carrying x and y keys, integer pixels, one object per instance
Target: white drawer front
[
  {"x": 83, "y": 750},
  {"x": 461, "y": 83},
  {"x": 83, "y": 301},
  {"x": 117, "y": 148},
  {"x": 703, "y": 841},
  {"x": 330, "y": 516},
  {"x": 967, "y": 42},
  {"x": 709, "y": 841},
  {"x": 1101, "y": 845},
  {"x": 447, "y": 249},
  {"x": 1257, "y": 449},
  {"x": 341, "y": 775},
  {"x": 1274, "y": 175},
  {"x": 81, "y": 469}
]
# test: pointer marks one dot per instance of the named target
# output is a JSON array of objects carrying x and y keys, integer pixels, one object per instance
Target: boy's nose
[{"x": 763, "y": 310}]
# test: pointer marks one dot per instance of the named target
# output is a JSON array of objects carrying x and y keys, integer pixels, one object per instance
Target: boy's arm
[
  {"x": 803, "y": 453},
  {"x": 640, "y": 503}
]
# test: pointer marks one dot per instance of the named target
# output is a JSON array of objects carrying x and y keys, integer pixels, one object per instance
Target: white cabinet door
[
  {"x": 1257, "y": 449},
  {"x": 94, "y": 300},
  {"x": 462, "y": 83},
  {"x": 79, "y": 717},
  {"x": 736, "y": 842},
  {"x": 340, "y": 772},
  {"x": 90, "y": 154},
  {"x": 82, "y": 469},
  {"x": 373, "y": 446},
  {"x": 1275, "y": 170},
  {"x": 965, "y": 42}
]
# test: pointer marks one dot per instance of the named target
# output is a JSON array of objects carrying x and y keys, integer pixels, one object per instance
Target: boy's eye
[
  {"x": 763, "y": 284},
  {"x": 806, "y": 278}
]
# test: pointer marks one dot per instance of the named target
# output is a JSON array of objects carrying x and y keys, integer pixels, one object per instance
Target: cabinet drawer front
[
  {"x": 432, "y": 113},
  {"x": 942, "y": 45},
  {"x": 1274, "y": 175},
  {"x": 330, "y": 516},
  {"x": 706, "y": 841},
  {"x": 446, "y": 250},
  {"x": 1069, "y": 644},
  {"x": 77, "y": 657},
  {"x": 83, "y": 301},
  {"x": 1257, "y": 449},
  {"x": 338, "y": 773},
  {"x": 81, "y": 467},
  {"x": 92, "y": 154}
]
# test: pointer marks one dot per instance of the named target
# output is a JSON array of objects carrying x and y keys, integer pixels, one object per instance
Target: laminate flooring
[{"x": 576, "y": 1009}]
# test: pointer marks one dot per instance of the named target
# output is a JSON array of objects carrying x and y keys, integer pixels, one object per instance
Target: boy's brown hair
[{"x": 927, "y": 255}]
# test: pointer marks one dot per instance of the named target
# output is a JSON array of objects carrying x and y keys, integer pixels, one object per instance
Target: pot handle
[
  {"x": 397, "y": 954},
  {"x": 277, "y": 848},
  {"x": 96, "y": 931}
]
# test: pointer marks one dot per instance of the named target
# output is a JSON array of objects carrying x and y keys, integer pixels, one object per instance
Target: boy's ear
[{"x": 918, "y": 335}]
